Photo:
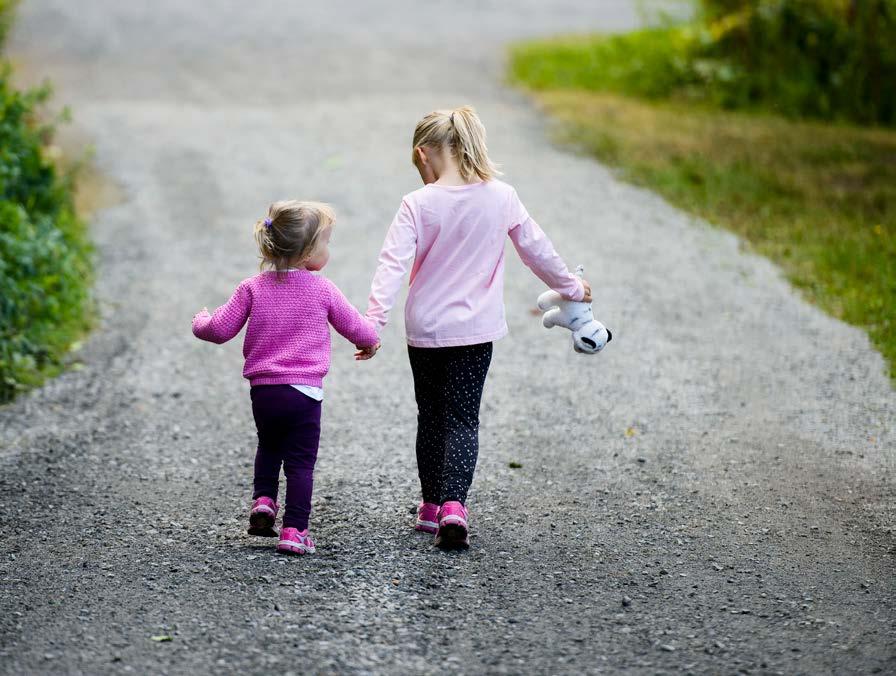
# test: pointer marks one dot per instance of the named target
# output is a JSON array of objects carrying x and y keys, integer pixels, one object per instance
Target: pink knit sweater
[{"x": 288, "y": 339}]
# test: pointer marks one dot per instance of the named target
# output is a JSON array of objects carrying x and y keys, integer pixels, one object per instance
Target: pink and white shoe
[
  {"x": 295, "y": 541},
  {"x": 453, "y": 531},
  {"x": 262, "y": 517},
  {"x": 427, "y": 517}
]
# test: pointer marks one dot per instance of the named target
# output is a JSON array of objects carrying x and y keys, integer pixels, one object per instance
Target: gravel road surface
[{"x": 712, "y": 494}]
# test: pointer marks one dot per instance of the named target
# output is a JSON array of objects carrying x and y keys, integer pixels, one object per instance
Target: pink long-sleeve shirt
[
  {"x": 455, "y": 237},
  {"x": 288, "y": 338}
]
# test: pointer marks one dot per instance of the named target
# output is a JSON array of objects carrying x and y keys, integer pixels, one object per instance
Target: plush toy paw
[{"x": 589, "y": 336}]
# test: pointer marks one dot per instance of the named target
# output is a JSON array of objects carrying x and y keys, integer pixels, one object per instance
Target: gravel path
[{"x": 714, "y": 493}]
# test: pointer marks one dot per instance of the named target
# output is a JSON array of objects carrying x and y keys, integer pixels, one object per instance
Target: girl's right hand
[{"x": 587, "y": 297}]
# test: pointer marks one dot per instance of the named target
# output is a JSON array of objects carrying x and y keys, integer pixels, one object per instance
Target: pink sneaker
[
  {"x": 262, "y": 517},
  {"x": 453, "y": 531},
  {"x": 295, "y": 541},
  {"x": 427, "y": 517}
]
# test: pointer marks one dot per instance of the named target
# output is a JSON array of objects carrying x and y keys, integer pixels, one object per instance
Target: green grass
[
  {"x": 651, "y": 63},
  {"x": 819, "y": 199},
  {"x": 799, "y": 58},
  {"x": 7, "y": 12}
]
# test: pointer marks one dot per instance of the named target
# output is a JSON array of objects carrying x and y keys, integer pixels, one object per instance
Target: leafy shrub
[
  {"x": 831, "y": 59},
  {"x": 45, "y": 266},
  {"x": 822, "y": 58}
]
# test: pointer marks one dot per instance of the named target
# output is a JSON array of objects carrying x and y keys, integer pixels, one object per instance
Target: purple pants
[{"x": 288, "y": 425}]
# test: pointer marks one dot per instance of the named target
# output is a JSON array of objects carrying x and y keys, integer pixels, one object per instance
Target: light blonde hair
[
  {"x": 289, "y": 233},
  {"x": 462, "y": 132}
]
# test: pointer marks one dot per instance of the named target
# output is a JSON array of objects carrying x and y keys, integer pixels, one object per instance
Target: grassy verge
[
  {"x": 45, "y": 253},
  {"x": 818, "y": 199},
  {"x": 7, "y": 10}
]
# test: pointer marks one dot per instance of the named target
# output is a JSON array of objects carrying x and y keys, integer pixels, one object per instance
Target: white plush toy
[{"x": 589, "y": 336}]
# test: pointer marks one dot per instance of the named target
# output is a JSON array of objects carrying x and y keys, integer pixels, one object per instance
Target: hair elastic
[{"x": 268, "y": 222}]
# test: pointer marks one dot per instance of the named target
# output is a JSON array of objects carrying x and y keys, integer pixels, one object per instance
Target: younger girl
[
  {"x": 454, "y": 229},
  {"x": 287, "y": 351}
]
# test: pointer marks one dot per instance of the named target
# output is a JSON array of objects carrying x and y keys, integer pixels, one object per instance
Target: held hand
[
  {"x": 587, "y": 297},
  {"x": 365, "y": 353}
]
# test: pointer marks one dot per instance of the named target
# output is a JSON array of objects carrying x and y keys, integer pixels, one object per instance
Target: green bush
[
  {"x": 821, "y": 58},
  {"x": 829, "y": 59},
  {"x": 45, "y": 266}
]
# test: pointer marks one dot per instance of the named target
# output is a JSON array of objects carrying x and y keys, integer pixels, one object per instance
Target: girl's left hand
[{"x": 365, "y": 353}]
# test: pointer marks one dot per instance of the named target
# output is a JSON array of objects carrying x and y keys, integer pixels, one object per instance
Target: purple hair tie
[{"x": 268, "y": 222}]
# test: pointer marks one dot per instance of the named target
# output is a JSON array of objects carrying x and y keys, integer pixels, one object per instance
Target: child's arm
[
  {"x": 397, "y": 253},
  {"x": 538, "y": 253},
  {"x": 227, "y": 320},
  {"x": 349, "y": 322}
]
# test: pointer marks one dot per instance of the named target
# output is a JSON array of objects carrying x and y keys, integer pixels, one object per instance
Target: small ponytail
[
  {"x": 264, "y": 238},
  {"x": 290, "y": 231},
  {"x": 463, "y": 133}
]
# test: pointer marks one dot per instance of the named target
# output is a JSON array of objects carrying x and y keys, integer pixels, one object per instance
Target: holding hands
[{"x": 365, "y": 353}]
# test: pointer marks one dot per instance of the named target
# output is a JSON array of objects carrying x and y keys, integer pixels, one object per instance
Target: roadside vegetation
[
  {"x": 773, "y": 118},
  {"x": 45, "y": 254}
]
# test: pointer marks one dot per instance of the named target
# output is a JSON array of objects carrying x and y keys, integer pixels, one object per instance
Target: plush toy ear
[
  {"x": 590, "y": 343},
  {"x": 549, "y": 299}
]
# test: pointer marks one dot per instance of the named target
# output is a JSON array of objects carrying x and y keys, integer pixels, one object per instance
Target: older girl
[
  {"x": 451, "y": 234},
  {"x": 287, "y": 351}
]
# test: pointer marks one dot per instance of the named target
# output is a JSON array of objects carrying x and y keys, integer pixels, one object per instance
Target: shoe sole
[
  {"x": 261, "y": 524},
  {"x": 452, "y": 536},
  {"x": 426, "y": 526},
  {"x": 294, "y": 548}
]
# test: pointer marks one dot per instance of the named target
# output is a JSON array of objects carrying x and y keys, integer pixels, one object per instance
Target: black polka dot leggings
[{"x": 448, "y": 386}]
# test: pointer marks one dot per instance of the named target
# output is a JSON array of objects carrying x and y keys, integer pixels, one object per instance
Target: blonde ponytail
[
  {"x": 470, "y": 148},
  {"x": 462, "y": 132}
]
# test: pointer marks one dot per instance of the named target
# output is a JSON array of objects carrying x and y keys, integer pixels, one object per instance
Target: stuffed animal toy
[{"x": 589, "y": 336}]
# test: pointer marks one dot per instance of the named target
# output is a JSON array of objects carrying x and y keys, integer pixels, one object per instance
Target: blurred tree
[{"x": 826, "y": 58}]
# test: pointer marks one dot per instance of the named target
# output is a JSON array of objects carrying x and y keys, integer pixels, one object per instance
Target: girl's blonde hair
[
  {"x": 461, "y": 131},
  {"x": 290, "y": 232}
]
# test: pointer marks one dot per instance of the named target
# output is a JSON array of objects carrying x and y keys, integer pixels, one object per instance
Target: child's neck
[{"x": 451, "y": 176}]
